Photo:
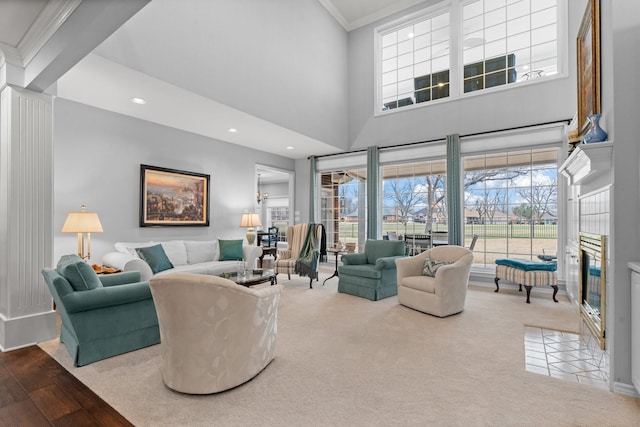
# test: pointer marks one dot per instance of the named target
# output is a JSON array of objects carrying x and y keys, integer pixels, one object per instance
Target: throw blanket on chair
[{"x": 307, "y": 262}]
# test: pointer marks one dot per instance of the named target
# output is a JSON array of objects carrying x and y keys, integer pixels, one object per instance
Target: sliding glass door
[{"x": 343, "y": 207}]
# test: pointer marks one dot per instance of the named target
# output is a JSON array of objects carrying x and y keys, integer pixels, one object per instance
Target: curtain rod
[{"x": 442, "y": 139}]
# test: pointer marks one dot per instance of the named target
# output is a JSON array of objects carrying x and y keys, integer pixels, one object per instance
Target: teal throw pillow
[
  {"x": 155, "y": 257},
  {"x": 230, "y": 250},
  {"x": 78, "y": 273},
  {"x": 431, "y": 266}
]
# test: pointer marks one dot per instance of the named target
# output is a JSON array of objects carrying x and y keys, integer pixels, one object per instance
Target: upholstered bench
[{"x": 527, "y": 273}]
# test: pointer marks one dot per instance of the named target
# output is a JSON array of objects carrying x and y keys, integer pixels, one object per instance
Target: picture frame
[
  {"x": 170, "y": 197},
  {"x": 588, "y": 56}
]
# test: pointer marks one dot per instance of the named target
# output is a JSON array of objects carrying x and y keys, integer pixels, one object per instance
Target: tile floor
[{"x": 566, "y": 355}]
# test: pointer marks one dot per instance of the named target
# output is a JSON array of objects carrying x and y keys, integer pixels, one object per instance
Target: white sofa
[{"x": 187, "y": 256}]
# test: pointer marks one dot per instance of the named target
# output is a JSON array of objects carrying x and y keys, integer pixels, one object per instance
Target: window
[
  {"x": 279, "y": 217},
  {"x": 504, "y": 39},
  {"x": 511, "y": 203},
  {"x": 343, "y": 206},
  {"x": 414, "y": 200},
  {"x": 415, "y": 62},
  {"x": 502, "y": 42}
]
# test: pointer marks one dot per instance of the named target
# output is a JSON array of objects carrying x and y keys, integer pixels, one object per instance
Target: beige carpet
[{"x": 344, "y": 360}]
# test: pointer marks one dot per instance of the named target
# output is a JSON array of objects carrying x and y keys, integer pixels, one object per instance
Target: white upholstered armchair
[
  {"x": 214, "y": 334},
  {"x": 443, "y": 294}
]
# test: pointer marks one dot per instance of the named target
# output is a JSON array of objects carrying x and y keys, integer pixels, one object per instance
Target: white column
[{"x": 26, "y": 217}]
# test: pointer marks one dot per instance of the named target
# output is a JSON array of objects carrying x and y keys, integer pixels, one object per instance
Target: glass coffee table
[{"x": 253, "y": 277}]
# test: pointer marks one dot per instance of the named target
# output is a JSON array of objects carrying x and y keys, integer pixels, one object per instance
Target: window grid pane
[
  {"x": 520, "y": 34},
  {"x": 508, "y": 34},
  {"x": 511, "y": 203},
  {"x": 414, "y": 201},
  {"x": 409, "y": 55}
]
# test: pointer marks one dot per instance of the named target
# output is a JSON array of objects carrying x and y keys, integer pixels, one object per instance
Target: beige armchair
[
  {"x": 215, "y": 334},
  {"x": 286, "y": 261},
  {"x": 441, "y": 295}
]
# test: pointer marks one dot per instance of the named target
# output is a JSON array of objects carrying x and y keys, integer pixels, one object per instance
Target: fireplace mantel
[{"x": 589, "y": 162}]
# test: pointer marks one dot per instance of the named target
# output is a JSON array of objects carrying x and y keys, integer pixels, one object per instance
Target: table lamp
[
  {"x": 82, "y": 222},
  {"x": 250, "y": 220}
]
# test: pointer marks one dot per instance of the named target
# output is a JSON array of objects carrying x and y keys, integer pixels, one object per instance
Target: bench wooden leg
[
  {"x": 497, "y": 286},
  {"x": 555, "y": 291},
  {"x": 528, "y": 288}
]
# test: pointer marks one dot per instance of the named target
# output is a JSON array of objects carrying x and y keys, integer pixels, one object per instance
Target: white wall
[
  {"x": 97, "y": 157},
  {"x": 276, "y": 189},
  {"x": 621, "y": 104},
  {"x": 281, "y": 60},
  {"x": 525, "y": 105},
  {"x": 302, "y": 192}
]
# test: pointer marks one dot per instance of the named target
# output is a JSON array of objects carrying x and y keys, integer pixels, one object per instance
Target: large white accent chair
[
  {"x": 441, "y": 295},
  {"x": 214, "y": 334}
]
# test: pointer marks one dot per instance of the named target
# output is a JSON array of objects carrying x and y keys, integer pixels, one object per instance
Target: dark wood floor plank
[
  {"x": 53, "y": 402},
  {"x": 35, "y": 390},
  {"x": 76, "y": 419},
  {"x": 22, "y": 414},
  {"x": 34, "y": 369},
  {"x": 10, "y": 390},
  {"x": 105, "y": 415},
  {"x": 79, "y": 392}
]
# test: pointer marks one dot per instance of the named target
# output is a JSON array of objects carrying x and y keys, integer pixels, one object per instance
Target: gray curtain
[
  {"x": 312, "y": 189},
  {"x": 373, "y": 178},
  {"x": 454, "y": 198}
]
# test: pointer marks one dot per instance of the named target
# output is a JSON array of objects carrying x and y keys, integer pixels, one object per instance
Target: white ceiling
[{"x": 104, "y": 84}]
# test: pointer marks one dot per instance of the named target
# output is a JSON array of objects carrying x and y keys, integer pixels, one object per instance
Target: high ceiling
[{"x": 27, "y": 24}]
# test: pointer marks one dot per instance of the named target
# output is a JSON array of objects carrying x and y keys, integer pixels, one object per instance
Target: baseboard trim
[
  {"x": 625, "y": 389},
  {"x": 27, "y": 330}
]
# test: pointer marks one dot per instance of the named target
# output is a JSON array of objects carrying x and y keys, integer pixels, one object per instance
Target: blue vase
[{"x": 595, "y": 132}]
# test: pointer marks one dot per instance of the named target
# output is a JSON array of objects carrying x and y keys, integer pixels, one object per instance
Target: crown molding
[
  {"x": 328, "y": 4},
  {"x": 382, "y": 13},
  {"x": 350, "y": 25},
  {"x": 54, "y": 14},
  {"x": 10, "y": 55}
]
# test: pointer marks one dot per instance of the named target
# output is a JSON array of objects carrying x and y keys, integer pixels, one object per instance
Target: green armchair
[
  {"x": 102, "y": 316},
  {"x": 371, "y": 274}
]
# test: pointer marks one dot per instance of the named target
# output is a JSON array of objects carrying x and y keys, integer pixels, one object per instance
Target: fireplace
[{"x": 593, "y": 283}]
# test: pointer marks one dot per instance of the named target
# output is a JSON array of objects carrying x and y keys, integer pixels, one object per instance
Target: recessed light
[
  {"x": 410, "y": 35},
  {"x": 290, "y": 148},
  {"x": 232, "y": 130},
  {"x": 138, "y": 101}
]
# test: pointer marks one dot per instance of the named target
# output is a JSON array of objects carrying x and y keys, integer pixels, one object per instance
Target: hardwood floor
[{"x": 35, "y": 390}]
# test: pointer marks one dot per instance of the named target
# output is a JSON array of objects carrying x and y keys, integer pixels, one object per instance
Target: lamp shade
[
  {"x": 250, "y": 220},
  {"x": 82, "y": 222}
]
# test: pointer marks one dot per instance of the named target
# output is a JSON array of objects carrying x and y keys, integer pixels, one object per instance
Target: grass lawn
[{"x": 494, "y": 241}]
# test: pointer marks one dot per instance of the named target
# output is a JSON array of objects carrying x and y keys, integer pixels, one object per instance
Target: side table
[
  {"x": 337, "y": 252},
  {"x": 103, "y": 269},
  {"x": 268, "y": 250}
]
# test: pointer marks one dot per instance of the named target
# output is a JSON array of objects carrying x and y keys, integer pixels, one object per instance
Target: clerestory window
[{"x": 463, "y": 47}]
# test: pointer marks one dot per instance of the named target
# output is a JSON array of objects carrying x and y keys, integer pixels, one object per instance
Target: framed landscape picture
[
  {"x": 170, "y": 197},
  {"x": 588, "y": 52}
]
